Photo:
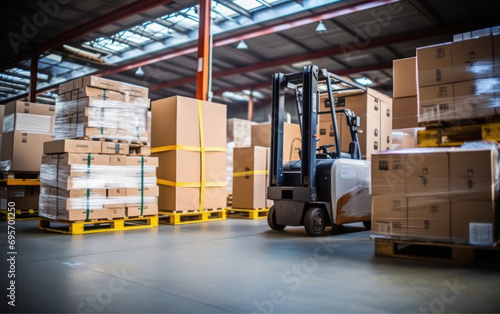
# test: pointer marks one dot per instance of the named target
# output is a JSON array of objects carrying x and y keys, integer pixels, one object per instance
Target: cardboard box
[
  {"x": 250, "y": 191},
  {"x": 146, "y": 191},
  {"x": 147, "y": 209},
  {"x": 476, "y": 98},
  {"x": 125, "y": 88},
  {"x": 28, "y": 123},
  {"x": 175, "y": 121},
  {"x": 390, "y": 215},
  {"x": 405, "y": 122},
  {"x": 472, "y": 59},
  {"x": 292, "y": 139},
  {"x": 134, "y": 161},
  {"x": 473, "y": 222},
  {"x": 427, "y": 172},
  {"x": 405, "y": 107},
  {"x": 239, "y": 131},
  {"x": 25, "y": 197},
  {"x": 386, "y": 126},
  {"x": 473, "y": 174},
  {"x": 403, "y": 140},
  {"x": 326, "y": 133},
  {"x": 72, "y": 146},
  {"x": 429, "y": 218},
  {"x": 434, "y": 65},
  {"x": 404, "y": 77},
  {"x": 29, "y": 107},
  {"x": 117, "y": 212},
  {"x": 23, "y": 151},
  {"x": 66, "y": 87},
  {"x": 388, "y": 173},
  {"x": 96, "y": 93},
  {"x": 116, "y": 192},
  {"x": 75, "y": 159},
  {"x": 114, "y": 148},
  {"x": 436, "y": 103},
  {"x": 94, "y": 193}
]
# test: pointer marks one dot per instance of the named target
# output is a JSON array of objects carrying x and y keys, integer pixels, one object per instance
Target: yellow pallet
[
  {"x": 256, "y": 213},
  {"x": 9, "y": 181},
  {"x": 21, "y": 214},
  {"x": 457, "y": 135},
  {"x": 190, "y": 218},
  {"x": 94, "y": 226}
]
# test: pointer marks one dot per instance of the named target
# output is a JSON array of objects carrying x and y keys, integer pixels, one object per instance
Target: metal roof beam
[
  {"x": 79, "y": 31},
  {"x": 12, "y": 86},
  {"x": 233, "y": 6},
  {"x": 263, "y": 2},
  {"x": 178, "y": 28}
]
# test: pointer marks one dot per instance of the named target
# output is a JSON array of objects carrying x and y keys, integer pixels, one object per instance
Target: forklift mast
[{"x": 305, "y": 85}]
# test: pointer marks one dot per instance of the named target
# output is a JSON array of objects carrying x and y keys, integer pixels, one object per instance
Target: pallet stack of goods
[
  {"x": 239, "y": 134},
  {"x": 25, "y": 127},
  {"x": 459, "y": 83},
  {"x": 375, "y": 112},
  {"x": 435, "y": 196},
  {"x": 405, "y": 104},
  {"x": 99, "y": 169},
  {"x": 189, "y": 138},
  {"x": 250, "y": 182}
]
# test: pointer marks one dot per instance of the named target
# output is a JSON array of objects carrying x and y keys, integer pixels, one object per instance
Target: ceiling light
[
  {"x": 321, "y": 28},
  {"x": 242, "y": 45},
  {"x": 139, "y": 72},
  {"x": 363, "y": 81}
]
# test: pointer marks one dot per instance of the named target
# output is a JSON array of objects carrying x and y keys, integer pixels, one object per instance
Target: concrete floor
[{"x": 233, "y": 266}]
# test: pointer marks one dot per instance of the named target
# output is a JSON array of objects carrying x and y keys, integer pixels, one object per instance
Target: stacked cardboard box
[
  {"x": 239, "y": 134},
  {"x": 458, "y": 80},
  {"x": 250, "y": 180},
  {"x": 95, "y": 107},
  {"x": 189, "y": 138},
  {"x": 375, "y": 112},
  {"x": 26, "y": 126},
  {"x": 436, "y": 194},
  {"x": 83, "y": 179},
  {"x": 292, "y": 139},
  {"x": 405, "y": 102}
]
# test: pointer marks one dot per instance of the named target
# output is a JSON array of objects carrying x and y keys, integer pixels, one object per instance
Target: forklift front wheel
[
  {"x": 271, "y": 220},
  {"x": 315, "y": 221}
]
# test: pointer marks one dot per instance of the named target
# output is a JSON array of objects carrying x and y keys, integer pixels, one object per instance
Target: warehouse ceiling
[{"x": 360, "y": 41}]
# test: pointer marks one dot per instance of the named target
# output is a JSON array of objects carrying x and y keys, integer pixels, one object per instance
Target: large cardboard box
[
  {"x": 388, "y": 173},
  {"x": 429, "y": 218},
  {"x": 176, "y": 121},
  {"x": 75, "y": 159},
  {"x": 23, "y": 151},
  {"x": 389, "y": 215},
  {"x": 427, "y": 172},
  {"x": 434, "y": 65},
  {"x": 476, "y": 98},
  {"x": 472, "y": 59},
  {"x": 250, "y": 180},
  {"x": 292, "y": 139},
  {"x": 474, "y": 174},
  {"x": 72, "y": 146},
  {"x": 25, "y": 197},
  {"x": 405, "y": 107},
  {"x": 436, "y": 103},
  {"x": 386, "y": 126},
  {"x": 29, "y": 108},
  {"x": 326, "y": 133},
  {"x": 473, "y": 222},
  {"x": 405, "y": 77},
  {"x": 405, "y": 122},
  {"x": 103, "y": 83},
  {"x": 239, "y": 131}
]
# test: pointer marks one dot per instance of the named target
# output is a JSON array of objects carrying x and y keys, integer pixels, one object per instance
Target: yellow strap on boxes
[
  {"x": 249, "y": 173},
  {"x": 190, "y": 184},
  {"x": 186, "y": 148}
]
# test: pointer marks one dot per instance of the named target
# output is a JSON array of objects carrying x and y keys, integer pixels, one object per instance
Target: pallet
[
  {"x": 99, "y": 225},
  {"x": 456, "y": 136},
  {"x": 19, "y": 175},
  {"x": 435, "y": 251},
  {"x": 256, "y": 213},
  {"x": 20, "y": 181},
  {"x": 101, "y": 139},
  {"x": 21, "y": 214},
  {"x": 229, "y": 200},
  {"x": 459, "y": 123},
  {"x": 192, "y": 217},
  {"x": 141, "y": 149}
]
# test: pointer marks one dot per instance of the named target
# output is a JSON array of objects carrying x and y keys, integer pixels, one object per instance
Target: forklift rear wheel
[
  {"x": 315, "y": 221},
  {"x": 271, "y": 220},
  {"x": 368, "y": 225}
]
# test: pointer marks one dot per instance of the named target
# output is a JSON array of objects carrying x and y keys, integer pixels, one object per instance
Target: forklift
[{"x": 325, "y": 187}]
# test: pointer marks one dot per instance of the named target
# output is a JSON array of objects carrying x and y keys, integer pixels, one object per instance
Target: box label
[{"x": 480, "y": 233}]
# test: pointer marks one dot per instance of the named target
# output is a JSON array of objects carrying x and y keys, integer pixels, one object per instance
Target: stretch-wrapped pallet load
[
  {"x": 459, "y": 80},
  {"x": 189, "y": 138},
  {"x": 79, "y": 182},
  {"x": 94, "y": 107},
  {"x": 437, "y": 194},
  {"x": 239, "y": 134},
  {"x": 26, "y": 126}
]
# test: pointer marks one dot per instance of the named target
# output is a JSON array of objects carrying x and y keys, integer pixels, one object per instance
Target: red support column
[
  {"x": 250, "y": 106},
  {"x": 202, "y": 78},
  {"x": 33, "y": 77}
]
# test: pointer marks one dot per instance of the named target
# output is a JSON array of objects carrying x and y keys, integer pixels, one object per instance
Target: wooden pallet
[
  {"x": 457, "y": 135},
  {"x": 433, "y": 251},
  {"x": 256, "y": 213},
  {"x": 194, "y": 217},
  {"x": 21, "y": 214},
  {"x": 100, "y": 225},
  {"x": 19, "y": 175}
]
